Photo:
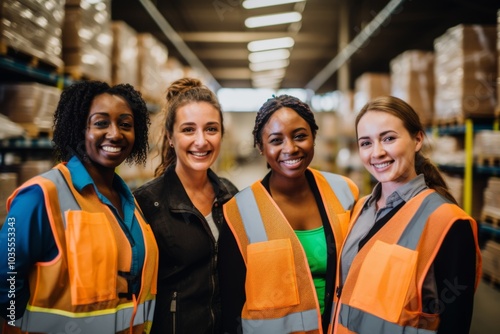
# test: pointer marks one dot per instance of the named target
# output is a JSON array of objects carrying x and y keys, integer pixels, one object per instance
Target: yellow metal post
[{"x": 469, "y": 165}]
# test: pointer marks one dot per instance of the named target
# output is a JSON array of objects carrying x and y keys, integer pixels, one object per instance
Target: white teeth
[
  {"x": 200, "y": 154},
  {"x": 291, "y": 162},
  {"x": 111, "y": 149},
  {"x": 385, "y": 164}
]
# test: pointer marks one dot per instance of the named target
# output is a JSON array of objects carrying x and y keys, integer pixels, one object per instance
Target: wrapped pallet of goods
[
  {"x": 465, "y": 67},
  {"x": 31, "y": 105},
  {"x": 491, "y": 207},
  {"x": 369, "y": 86},
  {"x": 30, "y": 30},
  {"x": 412, "y": 80},
  {"x": 153, "y": 72},
  {"x": 87, "y": 39},
  {"x": 491, "y": 261},
  {"x": 125, "y": 54}
]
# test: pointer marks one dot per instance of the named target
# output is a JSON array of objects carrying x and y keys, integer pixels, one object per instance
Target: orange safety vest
[
  {"x": 280, "y": 292},
  {"x": 382, "y": 291},
  {"x": 79, "y": 289}
]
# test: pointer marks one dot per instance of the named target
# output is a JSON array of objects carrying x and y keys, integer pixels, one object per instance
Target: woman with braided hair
[
  {"x": 183, "y": 205},
  {"x": 278, "y": 253},
  {"x": 75, "y": 252},
  {"x": 411, "y": 261}
]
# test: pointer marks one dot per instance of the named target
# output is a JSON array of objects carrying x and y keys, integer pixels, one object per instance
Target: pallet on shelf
[{"x": 31, "y": 58}]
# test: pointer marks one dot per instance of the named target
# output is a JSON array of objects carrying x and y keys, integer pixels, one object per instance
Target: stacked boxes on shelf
[
  {"x": 491, "y": 261},
  {"x": 153, "y": 57},
  {"x": 491, "y": 207},
  {"x": 32, "y": 105},
  {"x": 125, "y": 54},
  {"x": 33, "y": 28},
  {"x": 369, "y": 86},
  {"x": 412, "y": 80},
  {"x": 465, "y": 68},
  {"x": 88, "y": 39}
]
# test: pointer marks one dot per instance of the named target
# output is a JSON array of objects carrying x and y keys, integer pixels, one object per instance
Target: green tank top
[{"x": 314, "y": 244}]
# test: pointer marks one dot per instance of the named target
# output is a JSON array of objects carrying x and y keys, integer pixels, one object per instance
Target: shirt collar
[
  {"x": 81, "y": 179},
  {"x": 405, "y": 192}
]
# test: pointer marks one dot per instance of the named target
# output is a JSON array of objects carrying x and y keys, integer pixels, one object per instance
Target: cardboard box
[
  {"x": 412, "y": 80},
  {"x": 465, "y": 72},
  {"x": 87, "y": 40},
  {"x": 369, "y": 86},
  {"x": 125, "y": 54}
]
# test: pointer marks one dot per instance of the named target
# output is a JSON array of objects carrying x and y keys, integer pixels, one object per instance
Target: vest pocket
[
  {"x": 383, "y": 281},
  {"x": 271, "y": 280},
  {"x": 92, "y": 257}
]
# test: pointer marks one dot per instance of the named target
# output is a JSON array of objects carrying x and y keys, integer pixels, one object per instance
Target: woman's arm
[
  {"x": 25, "y": 238},
  {"x": 232, "y": 272},
  {"x": 455, "y": 272}
]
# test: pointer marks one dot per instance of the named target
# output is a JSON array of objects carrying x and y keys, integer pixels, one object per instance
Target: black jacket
[{"x": 188, "y": 298}]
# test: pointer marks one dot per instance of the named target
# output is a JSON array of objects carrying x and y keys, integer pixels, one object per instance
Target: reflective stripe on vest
[
  {"x": 66, "y": 199},
  {"x": 360, "y": 321},
  {"x": 255, "y": 230},
  {"x": 371, "y": 324},
  {"x": 341, "y": 188},
  {"x": 109, "y": 321},
  {"x": 295, "y": 322},
  {"x": 250, "y": 214}
]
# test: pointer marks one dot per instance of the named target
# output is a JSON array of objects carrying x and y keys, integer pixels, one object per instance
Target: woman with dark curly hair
[{"x": 75, "y": 249}]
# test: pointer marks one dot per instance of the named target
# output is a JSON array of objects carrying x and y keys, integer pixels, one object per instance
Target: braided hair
[
  {"x": 70, "y": 119},
  {"x": 275, "y": 103},
  {"x": 411, "y": 121},
  {"x": 180, "y": 93}
]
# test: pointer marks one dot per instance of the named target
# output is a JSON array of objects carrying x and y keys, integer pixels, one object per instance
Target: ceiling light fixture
[
  {"x": 275, "y": 73},
  {"x": 262, "y": 56},
  {"x": 269, "y": 65},
  {"x": 250, "y": 4},
  {"x": 269, "y": 44},
  {"x": 273, "y": 19}
]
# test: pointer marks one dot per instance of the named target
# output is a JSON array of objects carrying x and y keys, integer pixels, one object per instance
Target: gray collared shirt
[{"x": 369, "y": 215}]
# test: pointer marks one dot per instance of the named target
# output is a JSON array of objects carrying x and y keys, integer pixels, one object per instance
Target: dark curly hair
[
  {"x": 275, "y": 103},
  {"x": 181, "y": 92},
  {"x": 70, "y": 119}
]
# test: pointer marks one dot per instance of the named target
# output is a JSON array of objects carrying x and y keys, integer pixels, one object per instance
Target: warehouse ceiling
[{"x": 336, "y": 41}]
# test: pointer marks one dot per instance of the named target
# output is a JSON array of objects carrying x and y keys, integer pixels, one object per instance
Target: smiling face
[
  {"x": 287, "y": 143},
  {"x": 196, "y": 136},
  {"x": 110, "y": 136},
  {"x": 387, "y": 149}
]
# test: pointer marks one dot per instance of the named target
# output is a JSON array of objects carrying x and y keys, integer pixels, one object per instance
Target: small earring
[
  {"x": 260, "y": 152},
  {"x": 171, "y": 145}
]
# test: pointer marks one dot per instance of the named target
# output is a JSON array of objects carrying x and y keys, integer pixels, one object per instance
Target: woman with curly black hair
[{"x": 75, "y": 249}]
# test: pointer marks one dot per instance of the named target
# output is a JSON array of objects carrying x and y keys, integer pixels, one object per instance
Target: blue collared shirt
[{"x": 31, "y": 236}]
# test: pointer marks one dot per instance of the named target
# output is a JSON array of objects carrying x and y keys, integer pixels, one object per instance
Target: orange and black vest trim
[
  {"x": 81, "y": 287},
  {"x": 280, "y": 292},
  {"x": 383, "y": 289}
]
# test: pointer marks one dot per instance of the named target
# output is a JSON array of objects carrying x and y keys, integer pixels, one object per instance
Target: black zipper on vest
[{"x": 173, "y": 309}]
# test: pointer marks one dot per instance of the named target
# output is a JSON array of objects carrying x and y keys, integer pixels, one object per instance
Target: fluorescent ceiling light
[
  {"x": 250, "y": 4},
  {"x": 269, "y": 44},
  {"x": 262, "y": 56},
  {"x": 273, "y": 19},
  {"x": 270, "y": 65},
  {"x": 277, "y": 73}
]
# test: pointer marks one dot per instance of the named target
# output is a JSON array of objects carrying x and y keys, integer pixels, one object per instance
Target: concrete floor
[{"x": 486, "y": 316}]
